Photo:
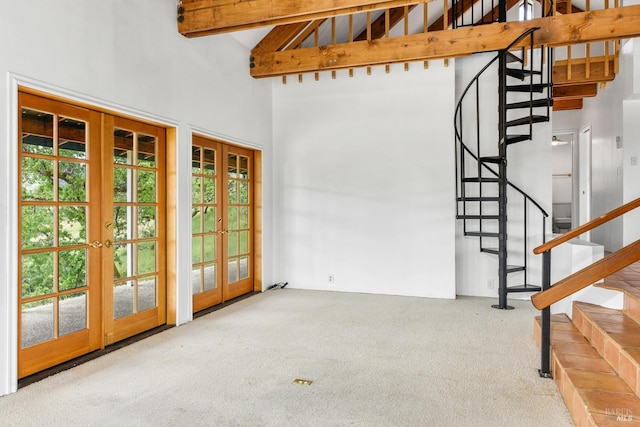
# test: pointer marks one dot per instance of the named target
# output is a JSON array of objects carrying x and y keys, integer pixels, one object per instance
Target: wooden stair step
[
  {"x": 615, "y": 336},
  {"x": 590, "y": 387}
]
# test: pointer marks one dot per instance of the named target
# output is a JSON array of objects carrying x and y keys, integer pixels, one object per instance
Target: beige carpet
[{"x": 374, "y": 361}]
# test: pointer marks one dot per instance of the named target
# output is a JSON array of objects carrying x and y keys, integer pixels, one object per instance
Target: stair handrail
[
  {"x": 587, "y": 226},
  {"x": 579, "y": 280},
  {"x": 459, "y": 107}
]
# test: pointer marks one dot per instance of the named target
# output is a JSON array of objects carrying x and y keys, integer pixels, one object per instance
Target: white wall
[
  {"x": 126, "y": 56},
  {"x": 364, "y": 181}
]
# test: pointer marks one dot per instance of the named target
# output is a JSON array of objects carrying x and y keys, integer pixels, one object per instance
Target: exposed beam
[
  {"x": 597, "y": 71},
  {"x": 280, "y": 36},
  {"x": 554, "y": 31},
  {"x": 577, "y": 91},
  {"x": 567, "y": 104},
  {"x": 206, "y": 17},
  {"x": 563, "y": 7}
]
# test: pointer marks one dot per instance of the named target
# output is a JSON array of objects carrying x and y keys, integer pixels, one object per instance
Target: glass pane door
[
  {"x": 59, "y": 225},
  {"x": 238, "y": 234},
  {"x": 134, "y": 230},
  {"x": 206, "y": 222}
]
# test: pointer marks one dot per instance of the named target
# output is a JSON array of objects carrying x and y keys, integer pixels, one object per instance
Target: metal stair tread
[
  {"x": 494, "y": 251},
  {"x": 491, "y": 159},
  {"x": 521, "y": 74},
  {"x": 514, "y": 268},
  {"x": 527, "y": 120},
  {"x": 512, "y": 139},
  {"x": 481, "y": 234},
  {"x": 478, "y": 217},
  {"x": 480, "y": 179},
  {"x": 478, "y": 199},
  {"x": 524, "y": 288},
  {"x": 544, "y": 102},
  {"x": 531, "y": 87}
]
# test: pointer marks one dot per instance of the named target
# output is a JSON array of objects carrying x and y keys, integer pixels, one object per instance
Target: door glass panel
[
  {"x": 146, "y": 150},
  {"x": 146, "y": 222},
  {"x": 123, "y": 261},
  {"x": 232, "y": 219},
  {"x": 196, "y": 249},
  {"x": 196, "y": 152},
  {"x": 209, "y": 218},
  {"x": 196, "y": 189},
  {"x": 233, "y": 270},
  {"x": 209, "y": 248},
  {"x": 37, "y": 179},
  {"x": 71, "y": 225},
  {"x": 244, "y": 242},
  {"x": 123, "y": 299},
  {"x": 233, "y": 243},
  {"x": 72, "y": 313},
  {"x": 37, "y": 274},
  {"x": 72, "y": 182},
  {"x": 209, "y": 277},
  {"x": 233, "y": 192},
  {"x": 72, "y": 138},
  {"x": 146, "y": 257},
  {"x": 146, "y": 186},
  {"x": 196, "y": 280},
  {"x": 122, "y": 147},
  {"x": 37, "y": 227},
  {"x": 37, "y": 322},
  {"x": 232, "y": 165},
  {"x": 121, "y": 223},
  {"x": 209, "y": 162},
  {"x": 72, "y": 269},
  {"x": 243, "y": 192},
  {"x": 209, "y": 193},
  {"x": 243, "y": 217},
  {"x": 243, "y": 167},
  {"x": 147, "y": 293},
  {"x": 244, "y": 268},
  {"x": 37, "y": 132},
  {"x": 122, "y": 179}
]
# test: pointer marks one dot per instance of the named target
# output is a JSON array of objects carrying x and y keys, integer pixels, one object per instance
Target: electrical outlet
[
  {"x": 331, "y": 278},
  {"x": 491, "y": 284}
]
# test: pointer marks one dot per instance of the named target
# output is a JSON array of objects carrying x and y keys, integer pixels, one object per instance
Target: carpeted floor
[{"x": 374, "y": 361}]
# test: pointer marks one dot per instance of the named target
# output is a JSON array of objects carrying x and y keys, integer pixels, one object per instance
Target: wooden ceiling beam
[
  {"x": 560, "y": 30},
  {"x": 204, "y": 17},
  {"x": 280, "y": 36}
]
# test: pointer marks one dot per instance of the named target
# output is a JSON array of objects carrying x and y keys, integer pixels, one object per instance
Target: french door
[
  {"x": 92, "y": 211},
  {"x": 222, "y": 222}
]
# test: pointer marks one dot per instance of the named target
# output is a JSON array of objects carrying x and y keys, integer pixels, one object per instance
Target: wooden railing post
[{"x": 545, "y": 330}]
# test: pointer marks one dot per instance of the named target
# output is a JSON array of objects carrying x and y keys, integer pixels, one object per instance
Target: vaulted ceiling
[{"x": 329, "y": 35}]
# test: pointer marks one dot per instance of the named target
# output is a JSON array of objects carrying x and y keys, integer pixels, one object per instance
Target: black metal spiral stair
[{"x": 482, "y": 188}]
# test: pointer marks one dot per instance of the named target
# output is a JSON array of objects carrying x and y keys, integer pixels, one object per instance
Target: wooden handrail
[
  {"x": 588, "y": 226},
  {"x": 588, "y": 275}
]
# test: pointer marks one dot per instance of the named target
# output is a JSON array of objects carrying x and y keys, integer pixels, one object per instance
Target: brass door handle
[
  {"x": 95, "y": 244},
  {"x": 107, "y": 243}
]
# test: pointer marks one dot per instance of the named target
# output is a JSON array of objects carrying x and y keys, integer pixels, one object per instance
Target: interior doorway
[{"x": 563, "y": 179}]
